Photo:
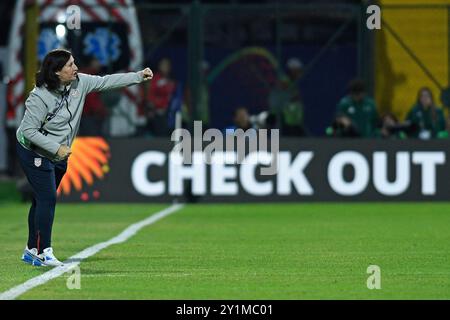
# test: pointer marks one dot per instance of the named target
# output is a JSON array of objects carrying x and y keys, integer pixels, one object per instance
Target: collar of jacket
[
  {"x": 66, "y": 88},
  {"x": 63, "y": 88}
]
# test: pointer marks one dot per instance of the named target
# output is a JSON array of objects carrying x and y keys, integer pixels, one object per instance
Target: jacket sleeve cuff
[
  {"x": 54, "y": 147},
  {"x": 140, "y": 75}
]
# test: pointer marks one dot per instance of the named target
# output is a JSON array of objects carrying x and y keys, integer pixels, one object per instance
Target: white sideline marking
[{"x": 75, "y": 260}]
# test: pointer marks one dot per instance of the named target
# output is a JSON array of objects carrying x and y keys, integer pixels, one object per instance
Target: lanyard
[{"x": 60, "y": 104}]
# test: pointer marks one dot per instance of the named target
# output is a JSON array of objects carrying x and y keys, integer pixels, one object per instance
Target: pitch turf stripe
[{"x": 75, "y": 260}]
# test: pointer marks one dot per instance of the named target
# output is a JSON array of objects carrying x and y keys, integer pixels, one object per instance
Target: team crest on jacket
[
  {"x": 74, "y": 93},
  {"x": 37, "y": 162}
]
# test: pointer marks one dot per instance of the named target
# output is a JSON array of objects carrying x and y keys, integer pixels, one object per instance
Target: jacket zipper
[{"x": 70, "y": 119}]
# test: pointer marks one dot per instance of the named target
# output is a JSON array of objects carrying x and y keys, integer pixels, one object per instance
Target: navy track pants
[{"x": 44, "y": 177}]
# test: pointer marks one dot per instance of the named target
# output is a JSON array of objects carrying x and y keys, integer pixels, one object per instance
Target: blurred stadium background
[{"x": 288, "y": 65}]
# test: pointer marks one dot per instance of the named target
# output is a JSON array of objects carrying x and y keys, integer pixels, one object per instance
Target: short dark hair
[
  {"x": 53, "y": 62},
  {"x": 356, "y": 86}
]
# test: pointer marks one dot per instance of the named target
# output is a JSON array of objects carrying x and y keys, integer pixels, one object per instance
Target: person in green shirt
[
  {"x": 427, "y": 118},
  {"x": 359, "y": 110},
  {"x": 285, "y": 101}
]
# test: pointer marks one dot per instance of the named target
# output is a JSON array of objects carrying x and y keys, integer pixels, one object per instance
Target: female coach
[{"x": 47, "y": 130}]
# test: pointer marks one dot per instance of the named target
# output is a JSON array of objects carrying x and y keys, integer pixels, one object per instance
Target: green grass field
[{"x": 242, "y": 251}]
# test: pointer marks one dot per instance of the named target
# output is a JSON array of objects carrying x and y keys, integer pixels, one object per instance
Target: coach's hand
[
  {"x": 147, "y": 74},
  {"x": 64, "y": 152}
]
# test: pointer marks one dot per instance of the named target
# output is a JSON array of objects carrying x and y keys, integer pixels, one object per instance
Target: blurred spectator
[
  {"x": 95, "y": 111},
  {"x": 426, "y": 116},
  {"x": 390, "y": 127},
  {"x": 285, "y": 101},
  {"x": 388, "y": 121},
  {"x": 158, "y": 98},
  {"x": 356, "y": 112},
  {"x": 342, "y": 127},
  {"x": 241, "y": 120}
]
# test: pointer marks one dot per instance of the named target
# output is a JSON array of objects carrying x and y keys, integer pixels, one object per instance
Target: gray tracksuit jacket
[{"x": 52, "y": 118}]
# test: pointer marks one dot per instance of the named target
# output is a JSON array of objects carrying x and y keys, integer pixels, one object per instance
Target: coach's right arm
[{"x": 114, "y": 81}]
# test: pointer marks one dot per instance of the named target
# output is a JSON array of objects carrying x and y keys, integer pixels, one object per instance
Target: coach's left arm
[{"x": 114, "y": 81}]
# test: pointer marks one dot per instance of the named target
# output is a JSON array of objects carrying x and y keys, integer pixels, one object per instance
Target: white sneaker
[
  {"x": 47, "y": 258},
  {"x": 29, "y": 255}
]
